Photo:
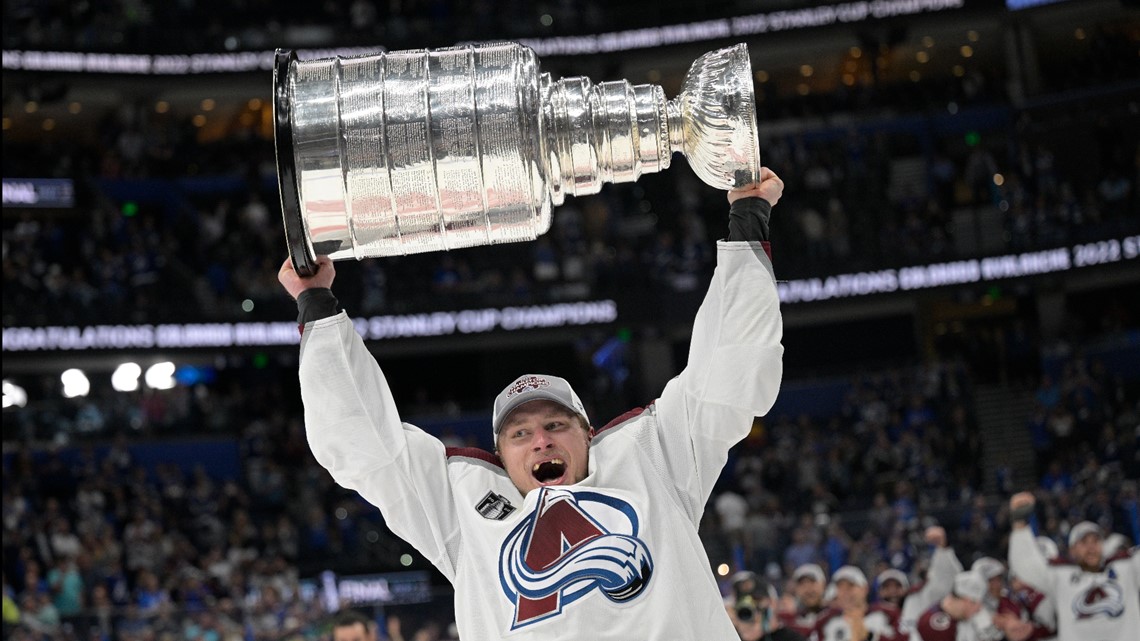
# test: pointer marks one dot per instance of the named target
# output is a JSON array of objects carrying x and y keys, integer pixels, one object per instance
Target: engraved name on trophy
[{"x": 424, "y": 150}]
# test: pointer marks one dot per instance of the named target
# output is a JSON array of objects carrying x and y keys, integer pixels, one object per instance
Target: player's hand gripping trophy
[{"x": 415, "y": 151}]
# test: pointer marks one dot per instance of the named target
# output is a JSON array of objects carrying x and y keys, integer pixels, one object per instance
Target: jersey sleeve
[
  {"x": 733, "y": 373},
  {"x": 882, "y": 621},
  {"x": 355, "y": 432},
  {"x": 944, "y": 566},
  {"x": 1027, "y": 562}
]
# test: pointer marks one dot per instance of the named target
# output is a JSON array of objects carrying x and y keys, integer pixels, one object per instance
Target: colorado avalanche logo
[
  {"x": 1103, "y": 597},
  {"x": 572, "y": 544}
]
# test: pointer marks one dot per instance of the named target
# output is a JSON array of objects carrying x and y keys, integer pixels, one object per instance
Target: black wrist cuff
[
  {"x": 748, "y": 219},
  {"x": 315, "y": 304},
  {"x": 1022, "y": 513}
]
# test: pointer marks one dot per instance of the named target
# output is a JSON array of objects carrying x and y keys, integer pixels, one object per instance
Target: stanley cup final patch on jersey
[
  {"x": 494, "y": 506},
  {"x": 574, "y": 544}
]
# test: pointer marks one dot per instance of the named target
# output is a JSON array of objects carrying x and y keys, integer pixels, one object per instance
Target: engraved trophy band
[{"x": 424, "y": 150}]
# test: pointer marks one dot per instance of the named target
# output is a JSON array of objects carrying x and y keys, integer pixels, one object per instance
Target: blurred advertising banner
[
  {"x": 396, "y": 588},
  {"x": 46, "y": 193}
]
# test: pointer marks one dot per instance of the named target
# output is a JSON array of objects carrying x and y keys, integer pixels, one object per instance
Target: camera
[
  {"x": 750, "y": 593},
  {"x": 746, "y": 607}
]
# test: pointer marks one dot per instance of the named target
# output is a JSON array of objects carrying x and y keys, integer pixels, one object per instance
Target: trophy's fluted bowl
[
  {"x": 718, "y": 119},
  {"x": 409, "y": 151}
]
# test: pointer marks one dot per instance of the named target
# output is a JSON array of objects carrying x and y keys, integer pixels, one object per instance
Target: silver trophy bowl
[{"x": 425, "y": 150}]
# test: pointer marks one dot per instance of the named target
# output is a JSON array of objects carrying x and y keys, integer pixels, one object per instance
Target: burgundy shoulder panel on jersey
[
  {"x": 475, "y": 453},
  {"x": 1061, "y": 562},
  {"x": 767, "y": 248},
  {"x": 891, "y": 610},
  {"x": 633, "y": 413},
  {"x": 1010, "y": 606},
  {"x": 823, "y": 618},
  {"x": 936, "y": 625},
  {"x": 1031, "y": 599}
]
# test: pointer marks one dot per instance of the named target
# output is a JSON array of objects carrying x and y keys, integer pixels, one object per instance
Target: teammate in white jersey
[
  {"x": 944, "y": 566},
  {"x": 960, "y": 615},
  {"x": 568, "y": 532},
  {"x": 1096, "y": 600}
]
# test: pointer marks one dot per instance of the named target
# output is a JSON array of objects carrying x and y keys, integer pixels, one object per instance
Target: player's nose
[{"x": 542, "y": 441}]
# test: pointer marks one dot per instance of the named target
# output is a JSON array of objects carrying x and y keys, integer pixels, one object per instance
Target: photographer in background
[{"x": 752, "y": 610}]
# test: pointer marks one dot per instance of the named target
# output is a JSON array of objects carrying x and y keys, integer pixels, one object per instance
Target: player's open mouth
[{"x": 549, "y": 472}]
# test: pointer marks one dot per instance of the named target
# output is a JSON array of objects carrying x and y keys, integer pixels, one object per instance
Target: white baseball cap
[
  {"x": 809, "y": 570},
  {"x": 1083, "y": 529},
  {"x": 893, "y": 575},
  {"x": 1048, "y": 547},
  {"x": 534, "y": 387},
  {"x": 988, "y": 567},
  {"x": 850, "y": 573},
  {"x": 970, "y": 585},
  {"x": 1113, "y": 543}
]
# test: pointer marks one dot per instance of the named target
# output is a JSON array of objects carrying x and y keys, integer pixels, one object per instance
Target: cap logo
[{"x": 528, "y": 384}]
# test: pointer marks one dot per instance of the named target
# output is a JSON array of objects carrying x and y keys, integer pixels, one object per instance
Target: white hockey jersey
[
  {"x": 1091, "y": 606},
  {"x": 615, "y": 556},
  {"x": 944, "y": 566}
]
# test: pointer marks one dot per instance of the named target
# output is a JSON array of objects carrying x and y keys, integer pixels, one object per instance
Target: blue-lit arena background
[{"x": 956, "y": 252}]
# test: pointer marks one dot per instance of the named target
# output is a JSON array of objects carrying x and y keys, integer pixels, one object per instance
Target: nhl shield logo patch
[{"x": 494, "y": 506}]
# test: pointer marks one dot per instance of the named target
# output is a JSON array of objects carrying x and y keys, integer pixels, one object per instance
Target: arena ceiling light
[
  {"x": 75, "y": 383},
  {"x": 160, "y": 375},
  {"x": 14, "y": 395},
  {"x": 126, "y": 377}
]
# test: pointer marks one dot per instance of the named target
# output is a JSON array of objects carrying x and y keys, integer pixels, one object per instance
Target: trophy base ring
[{"x": 304, "y": 263}]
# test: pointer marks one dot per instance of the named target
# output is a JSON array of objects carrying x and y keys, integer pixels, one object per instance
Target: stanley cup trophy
[{"x": 415, "y": 151}]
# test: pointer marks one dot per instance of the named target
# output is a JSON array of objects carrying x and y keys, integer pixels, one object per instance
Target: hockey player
[
  {"x": 567, "y": 532},
  {"x": 850, "y": 617},
  {"x": 944, "y": 566},
  {"x": 960, "y": 615},
  {"x": 808, "y": 586},
  {"x": 891, "y": 587},
  {"x": 1095, "y": 599}
]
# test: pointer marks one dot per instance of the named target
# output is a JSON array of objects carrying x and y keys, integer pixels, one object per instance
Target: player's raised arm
[
  {"x": 1025, "y": 558},
  {"x": 735, "y": 359},
  {"x": 354, "y": 429}
]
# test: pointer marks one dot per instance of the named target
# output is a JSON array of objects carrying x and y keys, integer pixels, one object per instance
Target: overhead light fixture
[
  {"x": 75, "y": 383},
  {"x": 14, "y": 395},
  {"x": 126, "y": 377},
  {"x": 160, "y": 375}
]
